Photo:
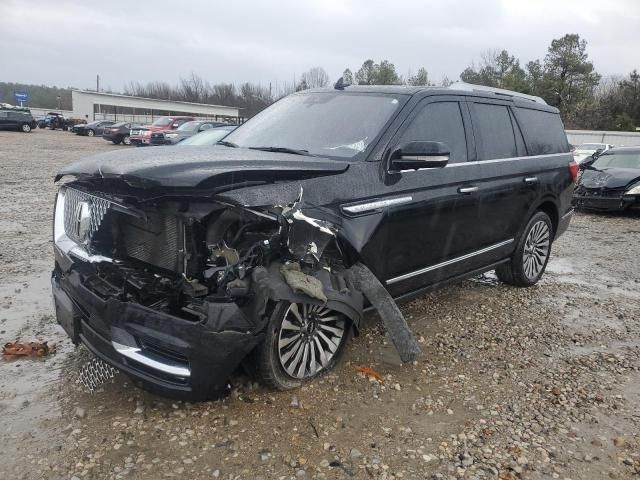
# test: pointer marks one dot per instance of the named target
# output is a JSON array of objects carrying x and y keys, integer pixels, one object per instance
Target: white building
[{"x": 112, "y": 106}]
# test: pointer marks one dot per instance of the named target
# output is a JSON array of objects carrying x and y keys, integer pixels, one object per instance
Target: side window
[
  {"x": 543, "y": 131},
  {"x": 522, "y": 151},
  {"x": 493, "y": 124},
  {"x": 440, "y": 122}
]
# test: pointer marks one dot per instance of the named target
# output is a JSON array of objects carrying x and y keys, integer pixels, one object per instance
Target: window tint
[
  {"x": 494, "y": 127},
  {"x": 543, "y": 131},
  {"x": 440, "y": 122}
]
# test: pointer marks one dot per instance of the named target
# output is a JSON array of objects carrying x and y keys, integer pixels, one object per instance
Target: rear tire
[
  {"x": 117, "y": 141},
  {"x": 126, "y": 140},
  {"x": 529, "y": 260},
  {"x": 26, "y": 128},
  {"x": 302, "y": 341},
  {"x": 90, "y": 133}
]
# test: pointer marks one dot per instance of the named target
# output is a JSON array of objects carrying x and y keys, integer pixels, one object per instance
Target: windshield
[
  {"x": 162, "y": 122},
  {"x": 618, "y": 160},
  {"x": 208, "y": 137},
  {"x": 590, "y": 146},
  {"x": 333, "y": 124},
  {"x": 189, "y": 127}
]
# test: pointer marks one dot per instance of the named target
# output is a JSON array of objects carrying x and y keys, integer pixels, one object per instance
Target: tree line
[
  {"x": 564, "y": 78},
  {"x": 39, "y": 95}
]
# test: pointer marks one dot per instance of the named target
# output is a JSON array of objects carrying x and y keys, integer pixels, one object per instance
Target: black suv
[
  {"x": 266, "y": 249},
  {"x": 16, "y": 118}
]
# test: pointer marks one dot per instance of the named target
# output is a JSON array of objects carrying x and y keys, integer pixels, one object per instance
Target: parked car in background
[
  {"x": 186, "y": 130},
  {"x": 585, "y": 150},
  {"x": 16, "y": 118},
  {"x": 142, "y": 135},
  {"x": 55, "y": 121},
  {"x": 93, "y": 128},
  {"x": 209, "y": 137},
  {"x": 611, "y": 181},
  {"x": 119, "y": 132},
  {"x": 176, "y": 268}
]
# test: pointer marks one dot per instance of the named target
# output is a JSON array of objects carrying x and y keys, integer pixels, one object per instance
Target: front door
[{"x": 426, "y": 237}]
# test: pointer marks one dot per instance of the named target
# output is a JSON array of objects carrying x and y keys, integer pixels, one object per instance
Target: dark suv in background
[
  {"x": 177, "y": 268},
  {"x": 16, "y": 118}
]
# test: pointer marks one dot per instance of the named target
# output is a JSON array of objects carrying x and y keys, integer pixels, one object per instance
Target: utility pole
[{"x": 98, "y": 83}]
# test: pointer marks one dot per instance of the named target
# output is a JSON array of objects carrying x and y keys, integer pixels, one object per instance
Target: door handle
[
  {"x": 467, "y": 190},
  {"x": 530, "y": 180}
]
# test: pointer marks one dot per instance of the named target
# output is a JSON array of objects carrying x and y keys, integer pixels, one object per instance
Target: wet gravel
[{"x": 512, "y": 383}]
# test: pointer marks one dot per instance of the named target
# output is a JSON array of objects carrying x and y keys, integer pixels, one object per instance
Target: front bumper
[
  {"x": 140, "y": 140},
  {"x": 609, "y": 204},
  {"x": 165, "y": 354}
]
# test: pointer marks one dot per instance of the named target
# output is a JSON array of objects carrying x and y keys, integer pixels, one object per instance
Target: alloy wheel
[
  {"x": 309, "y": 337},
  {"x": 91, "y": 133},
  {"x": 26, "y": 128},
  {"x": 126, "y": 140},
  {"x": 536, "y": 249}
]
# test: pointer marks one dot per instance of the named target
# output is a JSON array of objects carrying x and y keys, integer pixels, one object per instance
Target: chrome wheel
[
  {"x": 309, "y": 337},
  {"x": 126, "y": 140},
  {"x": 26, "y": 128},
  {"x": 536, "y": 249}
]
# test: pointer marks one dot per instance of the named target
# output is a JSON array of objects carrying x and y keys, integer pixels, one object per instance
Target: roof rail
[{"x": 497, "y": 91}]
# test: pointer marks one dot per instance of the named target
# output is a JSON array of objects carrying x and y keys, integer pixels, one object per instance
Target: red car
[{"x": 142, "y": 135}]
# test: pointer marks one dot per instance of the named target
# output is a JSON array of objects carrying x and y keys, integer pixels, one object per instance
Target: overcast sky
[{"x": 66, "y": 43}]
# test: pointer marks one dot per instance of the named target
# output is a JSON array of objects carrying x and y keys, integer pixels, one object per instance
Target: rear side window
[
  {"x": 493, "y": 125},
  {"x": 543, "y": 131},
  {"x": 440, "y": 122}
]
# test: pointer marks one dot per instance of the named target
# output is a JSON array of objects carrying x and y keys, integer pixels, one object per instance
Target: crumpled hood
[
  {"x": 609, "y": 177},
  {"x": 199, "y": 166}
]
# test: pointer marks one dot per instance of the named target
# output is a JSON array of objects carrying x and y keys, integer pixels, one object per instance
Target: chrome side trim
[
  {"x": 377, "y": 205},
  {"x": 510, "y": 159},
  {"x": 448, "y": 262},
  {"x": 426, "y": 158},
  {"x": 135, "y": 353}
]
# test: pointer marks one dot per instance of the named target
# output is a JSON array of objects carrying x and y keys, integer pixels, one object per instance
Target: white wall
[{"x": 618, "y": 139}]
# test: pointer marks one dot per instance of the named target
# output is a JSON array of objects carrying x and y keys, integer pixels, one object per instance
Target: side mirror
[{"x": 417, "y": 155}]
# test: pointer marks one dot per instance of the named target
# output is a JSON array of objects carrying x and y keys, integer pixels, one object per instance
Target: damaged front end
[{"x": 176, "y": 289}]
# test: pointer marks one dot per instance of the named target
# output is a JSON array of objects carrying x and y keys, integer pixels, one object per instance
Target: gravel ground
[{"x": 512, "y": 383}]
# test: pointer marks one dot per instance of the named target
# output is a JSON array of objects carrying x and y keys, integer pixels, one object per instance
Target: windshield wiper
[
  {"x": 284, "y": 150},
  {"x": 226, "y": 144}
]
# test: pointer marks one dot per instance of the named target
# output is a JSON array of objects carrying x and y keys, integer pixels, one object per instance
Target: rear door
[{"x": 506, "y": 182}]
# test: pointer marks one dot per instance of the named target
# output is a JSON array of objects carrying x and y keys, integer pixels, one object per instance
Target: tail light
[{"x": 573, "y": 171}]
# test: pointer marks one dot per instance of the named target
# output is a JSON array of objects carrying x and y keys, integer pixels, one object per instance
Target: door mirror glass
[{"x": 417, "y": 155}]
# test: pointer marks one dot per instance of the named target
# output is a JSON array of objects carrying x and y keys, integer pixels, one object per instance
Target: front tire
[
  {"x": 302, "y": 341},
  {"x": 90, "y": 133},
  {"x": 531, "y": 255},
  {"x": 26, "y": 128}
]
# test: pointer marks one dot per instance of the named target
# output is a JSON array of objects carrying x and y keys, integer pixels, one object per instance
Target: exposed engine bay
[{"x": 177, "y": 256}]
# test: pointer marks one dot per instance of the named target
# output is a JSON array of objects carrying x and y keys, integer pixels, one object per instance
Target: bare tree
[{"x": 315, "y": 77}]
